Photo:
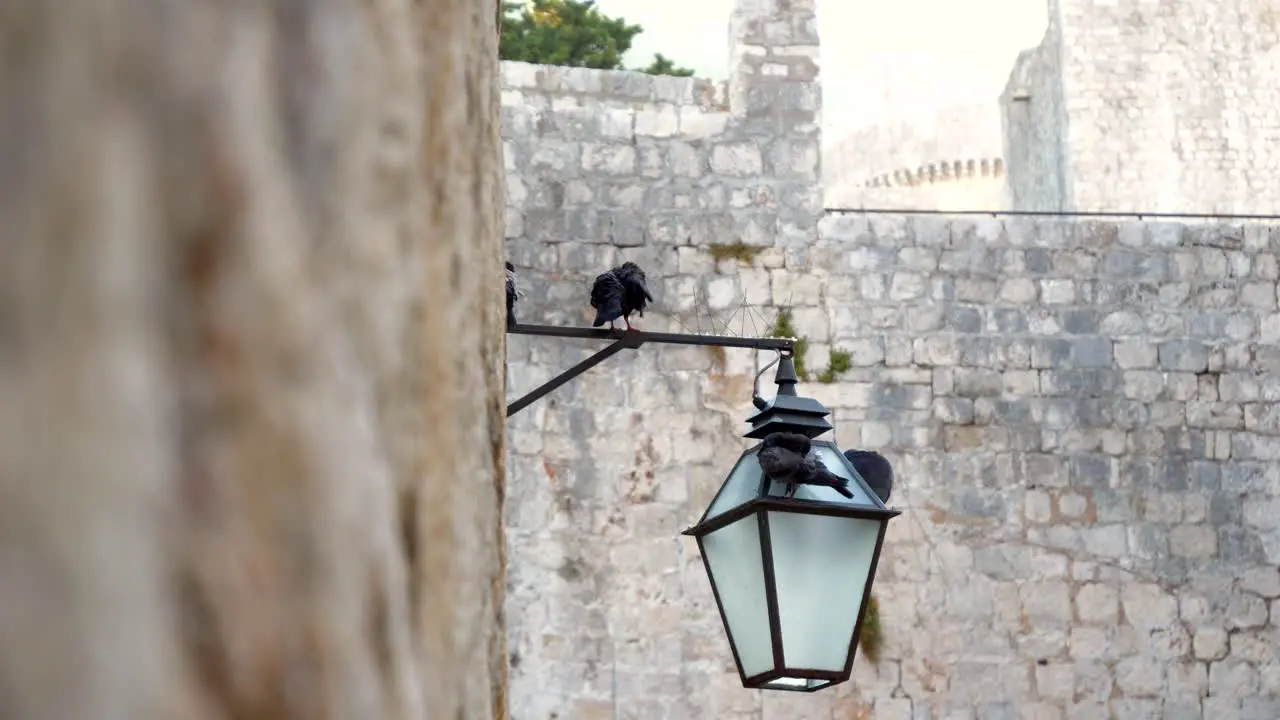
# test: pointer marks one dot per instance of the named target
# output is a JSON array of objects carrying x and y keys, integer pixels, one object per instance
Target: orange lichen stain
[{"x": 718, "y": 361}]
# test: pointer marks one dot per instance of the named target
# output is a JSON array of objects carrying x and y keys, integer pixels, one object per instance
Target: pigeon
[
  {"x": 618, "y": 293},
  {"x": 511, "y": 294},
  {"x": 875, "y": 469},
  {"x": 784, "y": 458}
]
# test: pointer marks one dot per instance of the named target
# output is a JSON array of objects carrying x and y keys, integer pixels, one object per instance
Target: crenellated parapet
[
  {"x": 939, "y": 172},
  {"x": 954, "y": 146}
]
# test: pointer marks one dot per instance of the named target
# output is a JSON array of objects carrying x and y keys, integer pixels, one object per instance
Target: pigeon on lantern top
[
  {"x": 875, "y": 469},
  {"x": 511, "y": 294},
  {"x": 784, "y": 458},
  {"x": 619, "y": 293}
]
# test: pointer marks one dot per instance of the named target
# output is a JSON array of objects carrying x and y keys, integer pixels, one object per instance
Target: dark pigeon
[
  {"x": 875, "y": 469},
  {"x": 619, "y": 293},
  {"x": 784, "y": 458},
  {"x": 511, "y": 294}
]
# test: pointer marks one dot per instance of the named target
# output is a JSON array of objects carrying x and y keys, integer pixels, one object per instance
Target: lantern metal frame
[
  {"x": 790, "y": 413},
  {"x": 761, "y": 506}
]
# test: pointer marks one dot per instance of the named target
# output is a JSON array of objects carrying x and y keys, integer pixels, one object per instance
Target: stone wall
[
  {"x": 1082, "y": 419},
  {"x": 609, "y": 165},
  {"x": 1169, "y": 106},
  {"x": 251, "y": 432}
]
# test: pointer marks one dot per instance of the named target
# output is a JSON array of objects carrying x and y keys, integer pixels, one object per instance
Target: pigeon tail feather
[
  {"x": 607, "y": 297},
  {"x": 606, "y": 314},
  {"x": 830, "y": 479},
  {"x": 818, "y": 474}
]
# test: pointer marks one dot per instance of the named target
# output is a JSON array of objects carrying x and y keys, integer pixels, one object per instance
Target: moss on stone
[
  {"x": 840, "y": 361},
  {"x": 871, "y": 638},
  {"x": 739, "y": 251}
]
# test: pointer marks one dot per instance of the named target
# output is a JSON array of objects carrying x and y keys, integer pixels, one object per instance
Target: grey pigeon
[
  {"x": 875, "y": 469},
  {"x": 511, "y": 294},
  {"x": 784, "y": 458},
  {"x": 618, "y": 293}
]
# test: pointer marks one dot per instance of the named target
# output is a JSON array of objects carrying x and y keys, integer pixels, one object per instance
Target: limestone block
[
  {"x": 608, "y": 159},
  {"x": 698, "y": 124},
  {"x": 1187, "y": 681},
  {"x": 1193, "y": 541},
  {"x": 1148, "y": 606},
  {"x": 660, "y": 121},
  {"x": 1097, "y": 604},
  {"x": 1263, "y": 581},
  {"x": 1047, "y": 602},
  {"x": 736, "y": 159},
  {"x": 1055, "y": 681},
  {"x": 617, "y": 123},
  {"x": 1245, "y": 611},
  {"x": 1139, "y": 709},
  {"x": 1057, "y": 291},
  {"x": 1230, "y": 678},
  {"x": 555, "y": 156},
  {"x": 1140, "y": 676},
  {"x": 795, "y": 159}
]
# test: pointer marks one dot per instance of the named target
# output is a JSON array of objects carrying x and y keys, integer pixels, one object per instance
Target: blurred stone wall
[{"x": 251, "y": 432}]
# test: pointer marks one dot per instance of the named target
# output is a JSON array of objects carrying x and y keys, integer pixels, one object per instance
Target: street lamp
[{"x": 792, "y": 575}]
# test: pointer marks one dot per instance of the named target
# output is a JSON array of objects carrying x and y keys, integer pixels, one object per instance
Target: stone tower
[{"x": 1147, "y": 105}]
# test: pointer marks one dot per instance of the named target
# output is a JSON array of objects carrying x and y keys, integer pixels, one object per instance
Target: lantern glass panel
[
  {"x": 835, "y": 462},
  {"x": 742, "y": 486},
  {"x": 821, "y": 566},
  {"x": 734, "y": 559}
]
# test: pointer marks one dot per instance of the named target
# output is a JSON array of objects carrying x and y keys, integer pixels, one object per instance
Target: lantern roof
[{"x": 788, "y": 412}]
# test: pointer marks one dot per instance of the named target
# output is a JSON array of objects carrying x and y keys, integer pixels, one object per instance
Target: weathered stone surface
[
  {"x": 1084, "y": 133},
  {"x": 243, "y": 476}
]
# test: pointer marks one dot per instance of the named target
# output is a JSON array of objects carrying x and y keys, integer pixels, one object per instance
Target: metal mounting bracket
[{"x": 626, "y": 340}]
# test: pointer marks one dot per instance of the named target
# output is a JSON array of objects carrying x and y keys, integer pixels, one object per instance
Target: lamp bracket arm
[{"x": 626, "y": 339}]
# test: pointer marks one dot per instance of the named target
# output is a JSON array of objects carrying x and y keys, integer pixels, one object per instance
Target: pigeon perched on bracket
[
  {"x": 618, "y": 293},
  {"x": 511, "y": 294},
  {"x": 784, "y": 458}
]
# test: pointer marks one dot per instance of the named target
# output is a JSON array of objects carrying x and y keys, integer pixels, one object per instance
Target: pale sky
[{"x": 925, "y": 52}]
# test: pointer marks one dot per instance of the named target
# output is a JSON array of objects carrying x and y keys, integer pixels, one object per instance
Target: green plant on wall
[
  {"x": 739, "y": 251},
  {"x": 839, "y": 362},
  {"x": 782, "y": 328},
  {"x": 872, "y": 637}
]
